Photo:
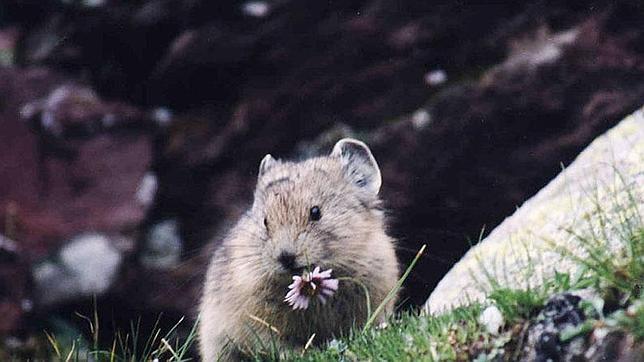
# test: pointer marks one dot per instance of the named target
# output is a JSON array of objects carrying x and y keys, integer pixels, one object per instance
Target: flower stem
[
  {"x": 366, "y": 292},
  {"x": 394, "y": 290}
]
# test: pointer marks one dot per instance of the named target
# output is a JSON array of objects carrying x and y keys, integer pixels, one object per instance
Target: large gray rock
[{"x": 600, "y": 192}]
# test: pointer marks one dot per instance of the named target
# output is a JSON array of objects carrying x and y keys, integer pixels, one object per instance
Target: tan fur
[{"x": 246, "y": 284}]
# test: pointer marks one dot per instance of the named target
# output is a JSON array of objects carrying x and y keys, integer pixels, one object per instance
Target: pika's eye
[
  {"x": 315, "y": 214},
  {"x": 266, "y": 223}
]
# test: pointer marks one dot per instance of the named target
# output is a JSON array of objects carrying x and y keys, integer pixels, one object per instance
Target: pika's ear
[
  {"x": 267, "y": 162},
  {"x": 358, "y": 163}
]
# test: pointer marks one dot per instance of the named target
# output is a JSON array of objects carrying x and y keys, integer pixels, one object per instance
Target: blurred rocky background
[{"x": 131, "y": 131}]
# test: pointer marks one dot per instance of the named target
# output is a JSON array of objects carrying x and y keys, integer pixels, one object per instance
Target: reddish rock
[
  {"x": 58, "y": 181},
  {"x": 66, "y": 172},
  {"x": 15, "y": 283}
]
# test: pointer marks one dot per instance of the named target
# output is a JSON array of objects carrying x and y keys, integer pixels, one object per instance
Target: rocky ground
[{"x": 131, "y": 131}]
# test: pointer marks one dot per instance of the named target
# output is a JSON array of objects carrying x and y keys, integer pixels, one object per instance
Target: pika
[{"x": 321, "y": 212}]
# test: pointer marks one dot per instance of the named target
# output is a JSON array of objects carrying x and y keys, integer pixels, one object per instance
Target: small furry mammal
[{"x": 323, "y": 211}]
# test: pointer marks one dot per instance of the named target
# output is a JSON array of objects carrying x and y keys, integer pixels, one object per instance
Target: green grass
[{"x": 126, "y": 346}]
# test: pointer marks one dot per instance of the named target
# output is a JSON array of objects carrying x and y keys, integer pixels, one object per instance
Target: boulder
[
  {"x": 67, "y": 161},
  {"x": 600, "y": 193},
  {"x": 73, "y": 191}
]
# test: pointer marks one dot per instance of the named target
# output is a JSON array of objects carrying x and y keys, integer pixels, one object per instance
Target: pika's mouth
[
  {"x": 297, "y": 270},
  {"x": 289, "y": 263}
]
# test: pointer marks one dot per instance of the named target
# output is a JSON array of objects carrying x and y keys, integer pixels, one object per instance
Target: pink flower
[{"x": 308, "y": 285}]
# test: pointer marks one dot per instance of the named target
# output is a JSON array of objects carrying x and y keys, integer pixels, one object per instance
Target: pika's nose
[{"x": 287, "y": 260}]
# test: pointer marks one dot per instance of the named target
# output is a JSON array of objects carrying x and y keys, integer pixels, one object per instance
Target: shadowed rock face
[
  {"x": 454, "y": 156},
  {"x": 490, "y": 143},
  {"x": 604, "y": 183},
  {"x": 493, "y": 144}
]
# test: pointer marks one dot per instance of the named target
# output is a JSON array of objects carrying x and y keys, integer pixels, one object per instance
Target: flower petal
[
  {"x": 296, "y": 302},
  {"x": 316, "y": 283},
  {"x": 325, "y": 274},
  {"x": 291, "y": 293},
  {"x": 330, "y": 284}
]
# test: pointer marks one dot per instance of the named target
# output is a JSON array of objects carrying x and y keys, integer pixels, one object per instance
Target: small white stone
[
  {"x": 147, "y": 189},
  {"x": 88, "y": 3},
  {"x": 58, "y": 96},
  {"x": 52, "y": 283},
  {"x": 162, "y": 116},
  {"x": 492, "y": 319},
  {"x": 421, "y": 118},
  {"x": 382, "y": 325},
  {"x": 108, "y": 120},
  {"x": 409, "y": 340},
  {"x": 93, "y": 262},
  {"x": 45, "y": 271},
  {"x": 27, "y": 305},
  {"x": 94, "y": 3},
  {"x": 12, "y": 342},
  {"x": 163, "y": 246},
  {"x": 633, "y": 308},
  {"x": 8, "y": 244},
  {"x": 436, "y": 77},
  {"x": 28, "y": 110},
  {"x": 543, "y": 48},
  {"x": 49, "y": 122},
  {"x": 258, "y": 9},
  {"x": 600, "y": 333}
]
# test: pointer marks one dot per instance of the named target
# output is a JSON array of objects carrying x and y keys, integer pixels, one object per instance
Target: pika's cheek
[{"x": 326, "y": 255}]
